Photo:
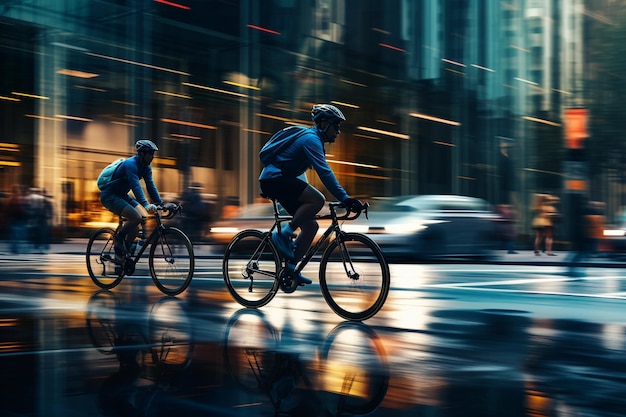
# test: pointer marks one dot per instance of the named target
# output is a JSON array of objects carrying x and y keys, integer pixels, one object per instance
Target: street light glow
[
  {"x": 384, "y": 132},
  {"x": 435, "y": 119}
]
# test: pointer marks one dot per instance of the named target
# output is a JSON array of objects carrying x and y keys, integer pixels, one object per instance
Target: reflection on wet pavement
[
  {"x": 348, "y": 374},
  {"x": 134, "y": 352}
]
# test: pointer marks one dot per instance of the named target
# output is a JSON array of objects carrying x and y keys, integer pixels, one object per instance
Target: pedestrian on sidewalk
[{"x": 545, "y": 217}]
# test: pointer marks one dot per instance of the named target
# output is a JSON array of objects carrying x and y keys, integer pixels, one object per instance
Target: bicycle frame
[
  {"x": 333, "y": 228},
  {"x": 134, "y": 258}
]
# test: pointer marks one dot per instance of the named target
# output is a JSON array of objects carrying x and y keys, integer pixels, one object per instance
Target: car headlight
[
  {"x": 614, "y": 233},
  {"x": 355, "y": 228},
  {"x": 223, "y": 230},
  {"x": 404, "y": 228}
]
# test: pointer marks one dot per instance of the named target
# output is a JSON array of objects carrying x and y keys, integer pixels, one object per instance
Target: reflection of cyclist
[
  {"x": 115, "y": 195},
  {"x": 284, "y": 179},
  {"x": 351, "y": 369},
  {"x": 153, "y": 351}
]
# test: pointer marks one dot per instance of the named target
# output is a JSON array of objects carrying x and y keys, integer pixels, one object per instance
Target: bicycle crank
[
  {"x": 129, "y": 267},
  {"x": 288, "y": 281}
]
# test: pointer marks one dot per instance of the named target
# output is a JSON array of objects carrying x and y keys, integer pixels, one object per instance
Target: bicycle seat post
[{"x": 276, "y": 214}]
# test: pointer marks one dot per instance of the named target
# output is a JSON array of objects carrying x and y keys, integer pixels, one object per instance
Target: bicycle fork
[{"x": 347, "y": 260}]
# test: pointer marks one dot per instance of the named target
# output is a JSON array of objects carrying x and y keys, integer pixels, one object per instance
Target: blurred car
[
  {"x": 258, "y": 216},
  {"x": 613, "y": 240},
  {"x": 423, "y": 227}
]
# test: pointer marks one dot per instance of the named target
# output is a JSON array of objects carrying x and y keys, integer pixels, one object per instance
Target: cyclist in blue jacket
[
  {"x": 115, "y": 195},
  {"x": 284, "y": 179}
]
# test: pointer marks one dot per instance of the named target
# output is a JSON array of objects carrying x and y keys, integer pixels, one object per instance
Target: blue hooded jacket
[
  {"x": 127, "y": 178},
  {"x": 305, "y": 152}
]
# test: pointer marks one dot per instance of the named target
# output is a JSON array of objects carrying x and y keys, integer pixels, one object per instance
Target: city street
[{"x": 516, "y": 337}]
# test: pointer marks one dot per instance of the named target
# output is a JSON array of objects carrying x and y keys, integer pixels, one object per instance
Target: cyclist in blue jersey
[
  {"x": 115, "y": 195},
  {"x": 284, "y": 179}
]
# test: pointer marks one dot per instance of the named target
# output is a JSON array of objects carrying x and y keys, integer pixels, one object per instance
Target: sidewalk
[
  {"x": 528, "y": 257},
  {"x": 77, "y": 246}
]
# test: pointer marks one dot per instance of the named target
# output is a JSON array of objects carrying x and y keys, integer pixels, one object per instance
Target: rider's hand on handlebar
[
  {"x": 170, "y": 206},
  {"x": 353, "y": 205},
  {"x": 151, "y": 208}
]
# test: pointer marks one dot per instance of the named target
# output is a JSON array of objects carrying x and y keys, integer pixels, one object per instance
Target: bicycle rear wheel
[
  {"x": 251, "y": 265},
  {"x": 171, "y": 261},
  {"x": 100, "y": 259},
  {"x": 354, "y": 277}
]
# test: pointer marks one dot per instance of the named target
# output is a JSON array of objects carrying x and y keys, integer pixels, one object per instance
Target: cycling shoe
[
  {"x": 284, "y": 244},
  {"x": 302, "y": 280}
]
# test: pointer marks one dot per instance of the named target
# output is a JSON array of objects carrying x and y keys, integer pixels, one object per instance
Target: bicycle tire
[
  {"x": 171, "y": 261},
  {"x": 251, "y": 266},
  {"x": 100, "y": 258},
  {"x": 360, "y": 296}
]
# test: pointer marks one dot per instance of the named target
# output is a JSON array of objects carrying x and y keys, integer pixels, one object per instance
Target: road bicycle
[
  {"x": 353, "y": 273},
  {"x": 170, "y": 258}
]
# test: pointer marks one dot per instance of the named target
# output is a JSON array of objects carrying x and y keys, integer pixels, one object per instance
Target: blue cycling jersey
[
  {"x": 306, "y": 152},
  {"x": 127, "y": 178}
]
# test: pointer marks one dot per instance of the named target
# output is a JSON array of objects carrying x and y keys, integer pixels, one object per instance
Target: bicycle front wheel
[
  {"x": 100, "y": 259},
  {"x": 251, "y": 265},
  {"x": 171, "y": 261},
  {"x": 354, "y": 277}
]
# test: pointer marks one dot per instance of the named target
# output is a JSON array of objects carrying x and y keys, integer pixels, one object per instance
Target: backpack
[
  {"x": 106, "y": 176},
  {"x": 279, "y": 142}
]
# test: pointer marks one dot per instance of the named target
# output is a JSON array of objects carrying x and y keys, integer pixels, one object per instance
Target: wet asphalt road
[{"x": 452, "y": 340}]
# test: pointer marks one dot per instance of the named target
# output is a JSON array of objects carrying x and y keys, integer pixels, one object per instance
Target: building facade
[{"x": 430, "y": 88}]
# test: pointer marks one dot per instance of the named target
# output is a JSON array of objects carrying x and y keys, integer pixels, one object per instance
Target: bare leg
[
  {"x": 549, "y": 240},
  {"x": 537, "y": 240}
]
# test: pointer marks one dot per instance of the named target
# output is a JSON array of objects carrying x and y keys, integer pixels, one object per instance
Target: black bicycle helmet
[
  {"x": 145, "y": 145},
  {"x": 326, "y": 112}
]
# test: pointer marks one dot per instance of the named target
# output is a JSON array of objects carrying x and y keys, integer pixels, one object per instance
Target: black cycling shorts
[{"x": 287, "y": 190}]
